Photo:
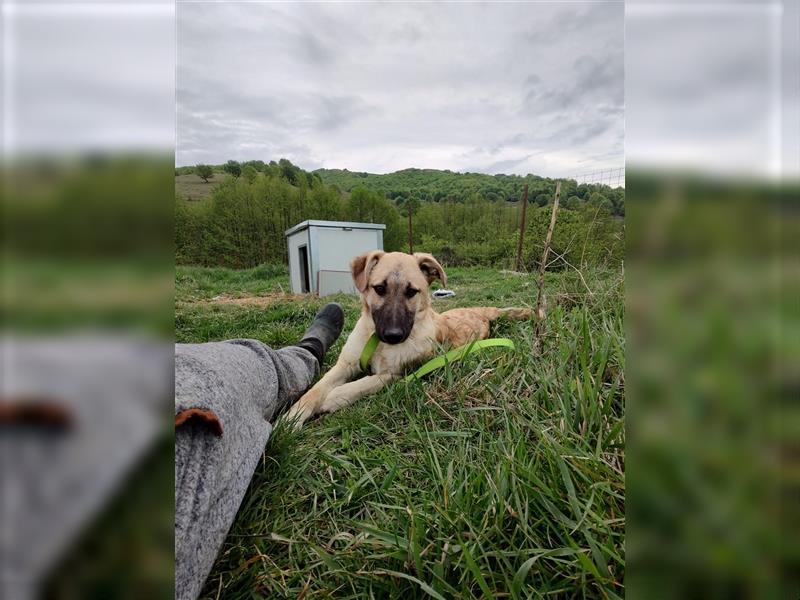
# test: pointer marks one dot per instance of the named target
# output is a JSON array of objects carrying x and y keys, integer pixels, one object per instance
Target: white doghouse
[{"x": 320, "y": 253}]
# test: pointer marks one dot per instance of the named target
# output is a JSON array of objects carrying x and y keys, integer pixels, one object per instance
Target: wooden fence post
[{"x": 518, "y": 264}]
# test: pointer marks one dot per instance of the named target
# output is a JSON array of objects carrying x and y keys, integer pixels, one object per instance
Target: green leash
[
  {"x": 439, "y": 361},
  {"x": 368, "y": 351}
]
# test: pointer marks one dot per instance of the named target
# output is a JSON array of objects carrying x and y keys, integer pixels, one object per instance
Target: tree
[
  {"x": 258, "y": 165},
  {"x": 288, "y": 171},
  {"x": 599, "y": 200},
  {"x": 371, "y": 207},
  {"x": 241, "y": 224},
  {"x": 205, "y": 172},
  {"x": 250, "y": 173},
  {"x": 542, "y": 199},
  {"x": 618, "y": 202},
  {"x": 233, "y": 168}
]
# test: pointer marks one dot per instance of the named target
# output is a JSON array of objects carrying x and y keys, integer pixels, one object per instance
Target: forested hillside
[
  {"x": 436, "y": 186},
  {"x": 464, "y": 219}
]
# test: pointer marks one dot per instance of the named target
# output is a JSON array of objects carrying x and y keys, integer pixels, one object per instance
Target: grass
[
  {"x": 192, "y": 187},
  {"x": 499, "y": 477},
  {"x": 62, "y": 294}
]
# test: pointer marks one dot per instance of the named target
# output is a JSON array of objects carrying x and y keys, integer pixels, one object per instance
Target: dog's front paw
[
  {"x": 334, "y": 401},
  {"x": 296, "y": 416},
  {"x": 302, "y": 410}
]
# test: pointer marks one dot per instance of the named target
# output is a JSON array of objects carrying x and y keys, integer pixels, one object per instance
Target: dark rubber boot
[{"x": 324, "y": 331}]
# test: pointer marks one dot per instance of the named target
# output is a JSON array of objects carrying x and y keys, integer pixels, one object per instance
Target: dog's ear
[
  {"x": 431, "y": 268},
  {"x": 361, "y": 266}
]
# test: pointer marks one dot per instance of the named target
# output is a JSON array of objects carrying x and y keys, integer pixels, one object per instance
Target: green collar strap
[
  {"x": 439, "y": 361},
  {"x": 368, "y": 351}
]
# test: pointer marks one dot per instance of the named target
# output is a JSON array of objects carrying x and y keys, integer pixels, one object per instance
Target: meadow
[
  {"x": 193, "y": 188},
  {"x": 501, "y": 476}
]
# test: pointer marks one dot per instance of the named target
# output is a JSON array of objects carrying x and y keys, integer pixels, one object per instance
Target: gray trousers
[{"x": 226, "y": 395}]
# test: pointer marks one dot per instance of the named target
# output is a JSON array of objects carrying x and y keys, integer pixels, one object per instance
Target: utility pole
[{"x": 518, "y": 265}]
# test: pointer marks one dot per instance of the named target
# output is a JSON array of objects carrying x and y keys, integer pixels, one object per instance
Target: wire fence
[{"x": 614, "y": 177}]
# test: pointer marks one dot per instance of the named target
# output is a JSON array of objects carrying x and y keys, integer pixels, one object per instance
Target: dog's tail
[
  {"x": 515, "y": 313},
  {"x": 508, "y": 313}
]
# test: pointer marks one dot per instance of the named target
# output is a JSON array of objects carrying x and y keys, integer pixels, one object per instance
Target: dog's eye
[
  {"x": 379, "y": 289},
  {"x": 411, "y": 292}
]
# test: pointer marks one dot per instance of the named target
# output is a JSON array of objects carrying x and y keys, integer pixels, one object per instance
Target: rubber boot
[{"x": 324, "y": 331}]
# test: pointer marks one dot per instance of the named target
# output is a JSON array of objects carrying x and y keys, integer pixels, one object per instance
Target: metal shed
[{"x": 320, "y": 253}]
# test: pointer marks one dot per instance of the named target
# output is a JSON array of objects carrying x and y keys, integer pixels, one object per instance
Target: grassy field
[
  {"x": 192, "y": 187},
  {"x": 501, "y": 476}
]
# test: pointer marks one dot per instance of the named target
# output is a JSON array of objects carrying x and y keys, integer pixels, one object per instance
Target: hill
[
  {"x": 237, "y": 219},
  {"x": 420, "y": 185},
  {"x": 433, "y": 185}
]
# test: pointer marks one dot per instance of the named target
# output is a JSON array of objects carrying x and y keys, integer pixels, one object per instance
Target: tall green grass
[{"x": 501, "y": 476}]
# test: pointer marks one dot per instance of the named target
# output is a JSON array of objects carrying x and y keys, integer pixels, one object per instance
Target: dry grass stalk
[{"x": 539, "y": 310}]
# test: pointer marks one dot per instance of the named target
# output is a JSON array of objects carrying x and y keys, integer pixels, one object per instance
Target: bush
[
  {"x": 232, "y": 168},
  {"x": 250, "y": 173},
  {"x": 205, "y": 172}
]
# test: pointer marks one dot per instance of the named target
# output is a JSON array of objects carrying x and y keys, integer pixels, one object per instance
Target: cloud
[
  {"x": 407, "y": 33},
  {"x": 376, "y": 88},
  {"x": 505, "y": 166},
  {"x": 339, "y": 111},
  {"x": 573, "y": 21},
  {"x": 112, "y": 90},
  {"x": 315, "y": 51},
  {"x": 705, "y": 91}
]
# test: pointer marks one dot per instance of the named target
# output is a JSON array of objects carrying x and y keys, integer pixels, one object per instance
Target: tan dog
[{"x": 396, "y": 306}]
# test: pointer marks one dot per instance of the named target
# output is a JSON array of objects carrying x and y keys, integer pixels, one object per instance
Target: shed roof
[{"x": 336, "y": 224}]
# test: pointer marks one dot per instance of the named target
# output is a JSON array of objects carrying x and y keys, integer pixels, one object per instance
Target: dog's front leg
[
  {"x": 350, "y": 392},
  {"x": 311, "y": 402}
]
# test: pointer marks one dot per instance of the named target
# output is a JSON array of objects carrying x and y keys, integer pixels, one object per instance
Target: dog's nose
[{"x": 393, "y": 336}]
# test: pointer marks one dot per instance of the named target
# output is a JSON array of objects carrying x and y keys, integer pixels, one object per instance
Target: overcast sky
[
  {"x": 511, "y": 87},
  {"x": 494, "y": 88},
  {"x": 724, "y": 98}
]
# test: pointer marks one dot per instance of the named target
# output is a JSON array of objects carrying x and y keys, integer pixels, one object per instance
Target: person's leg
[
  {"x": 226, "y": 393},
  {"x": 324, "y": 330}
]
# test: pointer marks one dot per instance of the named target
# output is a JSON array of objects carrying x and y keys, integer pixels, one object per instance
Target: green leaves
[{"x": 464, "y": 219}]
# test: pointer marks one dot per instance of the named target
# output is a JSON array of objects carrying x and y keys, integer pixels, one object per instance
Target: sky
[
  {"x": 87, "y": 76},
  {"x": 724, "y": 98},
  {"x": 517, "y": 88},
  {"x": 503, "y": 88}
]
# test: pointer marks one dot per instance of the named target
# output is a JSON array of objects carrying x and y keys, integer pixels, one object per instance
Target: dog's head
[{"x": 394, "y": 288}]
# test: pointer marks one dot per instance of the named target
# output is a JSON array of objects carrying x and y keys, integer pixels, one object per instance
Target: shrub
[{"x": 205, "y": 172}]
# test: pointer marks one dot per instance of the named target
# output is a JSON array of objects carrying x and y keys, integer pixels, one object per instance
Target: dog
[{"x": 396, "y": 306}]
